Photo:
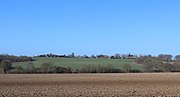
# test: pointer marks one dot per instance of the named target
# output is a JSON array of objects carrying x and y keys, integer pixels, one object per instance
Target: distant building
[
  {"x": 103, "y": 56},
  {"x": 130, "y": 56},
  {"x": 113, "y": 57},
  {"x": 85, "y": 56}
]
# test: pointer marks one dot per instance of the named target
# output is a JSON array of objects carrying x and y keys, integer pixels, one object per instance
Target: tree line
[
  {"x": 49, "y": 67},
  {"x": 72, "y": 55},
  {"x": 13, "y": 58},
  {"x": 164, "y": 57},
  {"x": 160, "y": 63},
  {"x": 46, "y": 67}
]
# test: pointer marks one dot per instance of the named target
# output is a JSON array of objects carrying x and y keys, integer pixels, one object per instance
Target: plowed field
[{"x": 90, "y": 85}]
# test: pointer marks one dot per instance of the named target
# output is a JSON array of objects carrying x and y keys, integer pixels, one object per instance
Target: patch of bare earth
[{"x": 90, "y": 85}]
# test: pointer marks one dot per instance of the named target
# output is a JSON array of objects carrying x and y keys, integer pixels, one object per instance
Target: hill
[{"x": 76, "y": 63}]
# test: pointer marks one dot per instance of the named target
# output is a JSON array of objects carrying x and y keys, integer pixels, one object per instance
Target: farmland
[
  {"x": 76, "y": 63},
  {"x": 66, "y": 85}
]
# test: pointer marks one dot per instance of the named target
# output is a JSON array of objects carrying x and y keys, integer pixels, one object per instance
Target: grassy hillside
[{"x": 79, "y": 63}]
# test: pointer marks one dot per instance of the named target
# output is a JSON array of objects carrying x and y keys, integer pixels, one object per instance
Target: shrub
[
  {"x": 47, "y": 67},
  {"x": 19, "y": 68},
  {"x": 63, "y": 70},
  {"x": 6, "y": 65},
  {"x": 135, "y": 71},
  {"x": 117, "y": 71},
  {"x": 126, "y": 67},
  {"x": 30, "y": 68},
  {"x": 99, "y": 69}
]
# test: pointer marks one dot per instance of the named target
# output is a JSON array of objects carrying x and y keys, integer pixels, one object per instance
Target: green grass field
[{"x": 79, "y": 63}]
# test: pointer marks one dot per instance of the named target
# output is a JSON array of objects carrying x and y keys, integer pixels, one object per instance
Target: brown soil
[{"x": 90, "y": 85}]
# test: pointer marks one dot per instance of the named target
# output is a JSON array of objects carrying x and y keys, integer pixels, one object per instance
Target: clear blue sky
[{"x": 31, "y": 27}]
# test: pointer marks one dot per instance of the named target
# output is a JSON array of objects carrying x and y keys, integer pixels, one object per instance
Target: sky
[{"x": 32, "y": 27}]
